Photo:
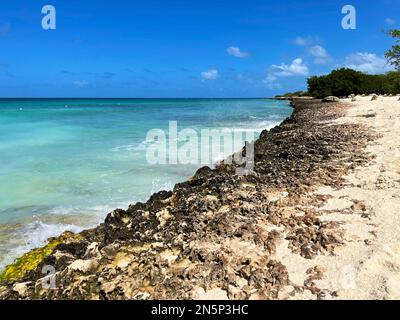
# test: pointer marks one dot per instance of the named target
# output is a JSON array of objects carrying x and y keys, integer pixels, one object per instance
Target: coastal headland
[{"x": 317, "y": 219}]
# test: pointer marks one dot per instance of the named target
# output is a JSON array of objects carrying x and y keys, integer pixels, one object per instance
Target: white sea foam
[
  {"x": 158, "y": 185},
  {"x": 256, "y": 126},
  {"x": 95, "y": 211},
  {"x": 22, "y": 238},
  {"x": 103, "y": 175},
  {"x": 259, "y": 126},
  {"x": 30, "y": 236},
  {"x": 133, "y": 147}
]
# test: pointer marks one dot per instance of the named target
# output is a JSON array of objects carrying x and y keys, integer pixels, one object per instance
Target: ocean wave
[
  {"x": 19, "y": 238},
  {"x": 253, "y": 126},
  {"x": 256, "y": 127},
  {"x": 71, "y": 211},
  {"x": 266, "y": 125},
  {"x": 128, "y": 147},
  {"x": 31, "y": 236},
  {"x": 158, "y": 185},
  {"x": 133, "y": 147}
]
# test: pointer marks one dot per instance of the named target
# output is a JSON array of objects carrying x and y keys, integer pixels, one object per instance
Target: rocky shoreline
[{"x": 216, "y": 235}]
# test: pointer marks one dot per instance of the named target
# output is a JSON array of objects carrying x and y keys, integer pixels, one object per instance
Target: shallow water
[{"x": 64, "y": 164}]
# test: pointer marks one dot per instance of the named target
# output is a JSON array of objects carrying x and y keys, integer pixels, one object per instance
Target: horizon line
[{"x": 15, "y": 98}]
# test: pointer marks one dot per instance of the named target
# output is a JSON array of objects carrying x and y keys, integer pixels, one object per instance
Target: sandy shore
[
  {"x": 368, "y": 207},
  {"x": 317, "y": 219}
]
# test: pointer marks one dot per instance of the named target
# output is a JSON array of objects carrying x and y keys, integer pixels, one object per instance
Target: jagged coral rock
[{"x": 217, "y": 232}]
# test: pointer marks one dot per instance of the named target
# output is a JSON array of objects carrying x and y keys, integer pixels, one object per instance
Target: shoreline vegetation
[
  {"x": 345, "y": 82},
  {"x": 217, "y": 235},
  {"x": 288, "y": 230},
  {"x": 223, "y": 236},
  {"x": 316, "y": 219}
]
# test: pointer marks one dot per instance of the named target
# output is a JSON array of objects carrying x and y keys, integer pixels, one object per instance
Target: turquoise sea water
[{"x": 65, "y": 163}]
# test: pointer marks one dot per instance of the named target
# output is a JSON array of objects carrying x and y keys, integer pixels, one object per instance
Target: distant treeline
[
  {"x": 343, "y": 82},
  {"x": 293, "y": 94}
]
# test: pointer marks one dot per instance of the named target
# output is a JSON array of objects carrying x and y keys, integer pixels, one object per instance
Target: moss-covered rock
[
  {"x": 30, "y": 260},
  {"x": 27, "y": 262}
]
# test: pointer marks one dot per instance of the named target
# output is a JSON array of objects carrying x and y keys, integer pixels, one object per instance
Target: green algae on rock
[
  {"x": 29, "y": 261},
  {"x": 217, "y": 234}
]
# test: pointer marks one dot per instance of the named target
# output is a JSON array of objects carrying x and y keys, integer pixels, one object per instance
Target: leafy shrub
[{"x": 343, "y": 82}]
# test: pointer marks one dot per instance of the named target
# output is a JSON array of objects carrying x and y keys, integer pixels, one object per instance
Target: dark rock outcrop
[
  {"x": 330, "y": 99},
  {"x": 216, "y": 232}
]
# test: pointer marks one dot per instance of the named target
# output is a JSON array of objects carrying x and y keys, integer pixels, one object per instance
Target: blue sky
[{"x": 186, "y": 48}]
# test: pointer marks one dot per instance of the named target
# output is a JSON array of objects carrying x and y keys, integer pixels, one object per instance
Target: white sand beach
[
  {"x": 367, "y": 265},
  {"x": 353, "y": 233}
]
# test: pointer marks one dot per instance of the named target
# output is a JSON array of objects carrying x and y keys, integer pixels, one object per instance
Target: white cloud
[
  {"x": 296, "y": 68},
  {"x": 236, "y": 52},
  {"x": 301, "y": 41},
  {"x": 270, "y": 82},
  {"x": 390, "y": 22},
  {"x": 80, "y": 83},
  {"x": 367, "y": 62},
  {"x": 320, "y": 55},
  {"x": 306, "y": 41},
  {"x": 270, "y": 78},
  {"x": 211, "y": 74}
]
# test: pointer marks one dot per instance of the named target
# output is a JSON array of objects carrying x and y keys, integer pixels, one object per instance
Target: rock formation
[
  {"x": 330, "y": 99},
  {"x": 217, "y": 233}
]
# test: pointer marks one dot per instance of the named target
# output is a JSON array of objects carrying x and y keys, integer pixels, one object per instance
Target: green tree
[
  {"x": 343, "y": 82},
  {"x": 393, "y": 55}
]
